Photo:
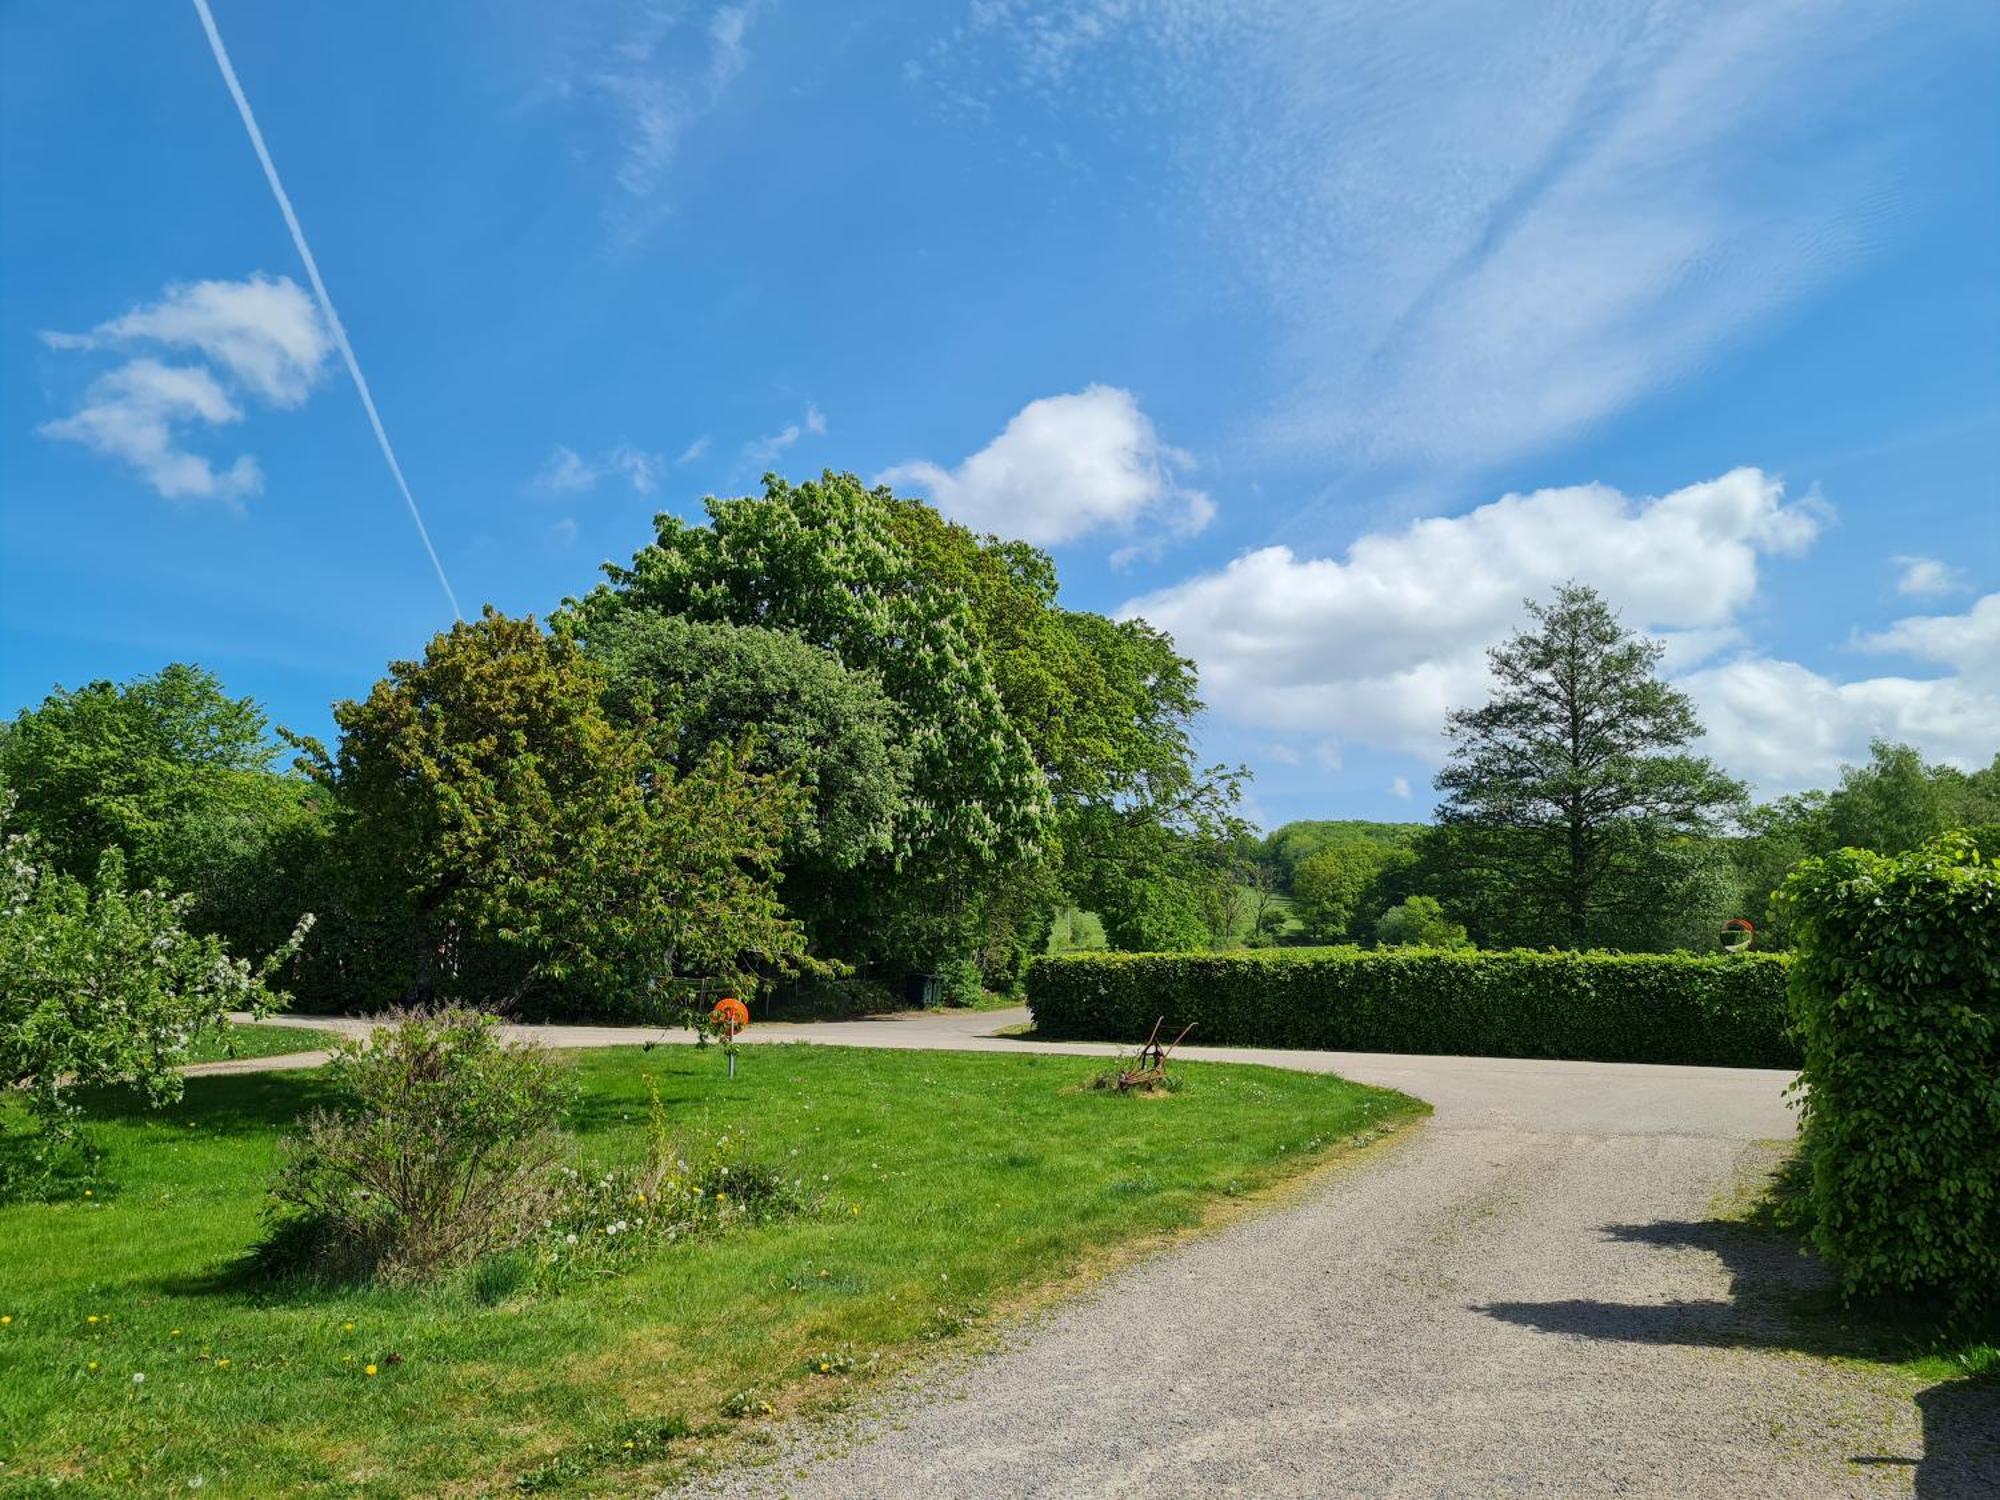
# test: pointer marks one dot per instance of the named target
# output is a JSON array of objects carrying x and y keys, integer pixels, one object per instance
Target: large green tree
[
  {"x": 531, "y": 849},
  {"x": 177, "y": 776},
  {"x": 1894, "y": 803},
  {"x": 1567, "y": 782},
  {"x": 788, "y": 708}
]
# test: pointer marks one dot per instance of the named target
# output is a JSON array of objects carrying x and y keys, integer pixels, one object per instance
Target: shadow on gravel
[{"x": 1768, "y": 1279}]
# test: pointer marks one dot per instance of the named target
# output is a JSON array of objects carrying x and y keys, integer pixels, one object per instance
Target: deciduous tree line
[{"x": 825, "y": 732}]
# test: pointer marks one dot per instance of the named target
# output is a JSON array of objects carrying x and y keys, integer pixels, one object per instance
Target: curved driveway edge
[{"x": 1531, "y": 1296}]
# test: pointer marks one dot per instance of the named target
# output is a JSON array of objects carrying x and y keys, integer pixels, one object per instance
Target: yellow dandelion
[
  {"x": 824, "y": 1367},
  {"x": 722, "y": 1197},
  {"x": 222, "y": 1364},
  {"x": 91, "y": 1366},
  {"x": 88, "y": 1193},
  {"x": 175, "y": 1334},
  {"x": 5, "y": 1319},
  {"x": 629, "y": 1443},
  {"x": 347, "y": 1328},
  {"x": 857, "y": 1208},
  {"x": 91, "y": 1319},
  {"x": 367, "y": 1369}
]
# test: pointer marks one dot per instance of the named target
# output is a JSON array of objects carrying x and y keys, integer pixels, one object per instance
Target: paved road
[{"x": 1529, "y": 1296}]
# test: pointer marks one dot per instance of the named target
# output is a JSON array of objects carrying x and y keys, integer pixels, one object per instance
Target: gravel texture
[{"x": 1528, "y": 1295}]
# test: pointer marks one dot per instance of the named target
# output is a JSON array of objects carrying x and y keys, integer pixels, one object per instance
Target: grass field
[
  {"x": 252, "y": 1040},
  {"x": 952, "y": 1186}
]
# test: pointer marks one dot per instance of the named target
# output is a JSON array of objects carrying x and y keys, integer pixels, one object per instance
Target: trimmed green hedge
[
  {"x": 1897, "y": 994},
  {"x": 1670, "y": 1008}
]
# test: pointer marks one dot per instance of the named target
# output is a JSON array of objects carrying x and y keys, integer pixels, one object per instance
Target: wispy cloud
[
  {"x": 695, "y": 451},
  {"x": 567, "y": 472},
  {"x": 260, "y": 338},
  {"x": 1477, "y": 234},
  {"x": 1926, "y": 577},
  {"x": 760, "y": 453},
  {"x": 1065, "y": 467},
  {"x": 639, "y": 76}
]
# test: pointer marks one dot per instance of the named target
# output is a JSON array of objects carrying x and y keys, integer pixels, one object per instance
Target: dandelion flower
[
  {"x": 347, "y": 1328},
  {"x": 824, "y": 1367},
  {"x": 368, "y": 1370},
  {"x": 88, "y": 1193},
  {"x": 5, "y": 1319},
  {"x": 91, "y": 1366},
  {"x": 91, "y": 1319},
  {"x": 175, "y": 1334},
  {"x": 222, "y": 1364}
]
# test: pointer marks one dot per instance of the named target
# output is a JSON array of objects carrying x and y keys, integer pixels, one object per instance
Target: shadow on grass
[{"x": 1781, "y": 1298}]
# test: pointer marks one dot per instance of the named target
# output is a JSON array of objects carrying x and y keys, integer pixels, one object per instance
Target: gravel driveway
[{"x": 1529, "y": 1295}]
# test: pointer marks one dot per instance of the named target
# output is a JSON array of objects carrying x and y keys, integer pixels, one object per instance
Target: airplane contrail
[{"x": 319, "y": 290}]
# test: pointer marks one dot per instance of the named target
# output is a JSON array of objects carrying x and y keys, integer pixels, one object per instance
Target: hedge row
[
  {"x": 1897, "y": 994},
  {"x": 1666, "y": 1008}
]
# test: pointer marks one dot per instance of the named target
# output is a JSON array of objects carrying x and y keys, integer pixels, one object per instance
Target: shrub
[
  {"x": 442, "y": 1150},
  {"x": 1896, "y": 995},
  {"x": 1675, "y": 1008},
  {"x": 104, "y": 985},
  {"x": 1419, "y": 922}
]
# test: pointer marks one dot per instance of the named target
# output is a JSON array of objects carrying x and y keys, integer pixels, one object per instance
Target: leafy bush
[
  {"x": 1419, "y": 922},
  {"x": 1896, "y": 993},
  {"x": 103, "y": 985},
  {"x": 1676, "y": 1008},
  {"x": 443, "y": 1149}
]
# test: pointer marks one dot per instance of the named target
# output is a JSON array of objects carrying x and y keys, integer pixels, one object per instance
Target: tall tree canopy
[
  {"x": 786, "y": 707},
  {"x": 531, "y": 848},
  {"x": 820, "y": 561},
  {"x": 1568, "y": 784},
  {"x": 1046, "y": 750},
  {"x": 177, "y": 776}
]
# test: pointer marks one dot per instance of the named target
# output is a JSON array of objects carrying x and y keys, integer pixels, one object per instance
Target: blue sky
[{"x": 1319, "y": 334}]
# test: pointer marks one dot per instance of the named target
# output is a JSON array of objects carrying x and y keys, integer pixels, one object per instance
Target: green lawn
[
  {"x": 251, "y": 1040},
  {"x": 953, "y": 1186}
]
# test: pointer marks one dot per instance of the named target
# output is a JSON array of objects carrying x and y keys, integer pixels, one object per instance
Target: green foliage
[
  {"x": 442, "y": 1148},
  {"x": 1340, "y": 889},
  {"x": 1292, "y": 844},
  {"x": 528, "y": 848},
  {"x": 822, "y": 561},
  {"x": 1563, "y": 786},
  {"x": 795, "y": 707},
  {"x": 175, "y": 775},
  {"x": 1896, "y": 995},
  {"x": 1718, "y": 1011},
  {"x": 1894, "y": 803},
  {"x": 1418, "y": 922},
  {"x": 102, "y": 985}
]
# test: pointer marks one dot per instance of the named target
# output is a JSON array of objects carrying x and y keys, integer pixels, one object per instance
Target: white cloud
[
  {"x": 694, "y": 451},
  {"x": 1926, "y": 577},
  {"x": 264, "y": 332},
  {"x": 567, "y": 472},
  {"x": 761, "y": 453},
  {"x": 643, "y": 76},
  {"x": 1400, "y": 787},
  {"x": 1065, "y": 467},
  {"x": 132, "y": 413},
  {"x": 1787, "y": 727},
  {"x": 262, "y": 337},
  {"x": 1379, "y": 645},
  {"x": 1478, "y": 238}
]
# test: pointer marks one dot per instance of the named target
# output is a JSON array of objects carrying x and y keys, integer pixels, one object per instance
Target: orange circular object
[{"x": 730, "y": 1012}]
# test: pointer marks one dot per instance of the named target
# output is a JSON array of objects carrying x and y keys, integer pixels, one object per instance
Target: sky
[{"x": 1319, "y": 334}]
